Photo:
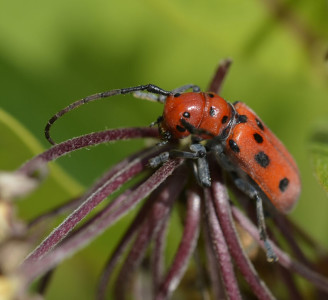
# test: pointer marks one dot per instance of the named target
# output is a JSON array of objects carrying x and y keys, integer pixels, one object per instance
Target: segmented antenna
[
  {"x": 149, "y": 87},
  {"x": 72, "y": 106}
]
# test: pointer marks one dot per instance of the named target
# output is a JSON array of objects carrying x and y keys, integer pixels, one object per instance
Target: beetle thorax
[{"x": 203, "y": 112}]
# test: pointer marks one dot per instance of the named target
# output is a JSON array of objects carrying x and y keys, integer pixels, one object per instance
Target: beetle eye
[{"x": 186, "y": 114}]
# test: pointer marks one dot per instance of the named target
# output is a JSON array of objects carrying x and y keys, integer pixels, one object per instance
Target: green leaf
[{"x": 319, "y": 155}]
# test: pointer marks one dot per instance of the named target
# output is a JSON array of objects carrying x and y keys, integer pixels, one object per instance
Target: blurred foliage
[
  {"x": 319, "y": 154},
  {"x": 52, "y": 53},
  {"x": 19, "y": 145}
]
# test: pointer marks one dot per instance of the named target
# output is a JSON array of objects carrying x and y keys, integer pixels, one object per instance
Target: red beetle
[
  {"x": 258, "y": 162},
  {"x": 247, "y": 143}
]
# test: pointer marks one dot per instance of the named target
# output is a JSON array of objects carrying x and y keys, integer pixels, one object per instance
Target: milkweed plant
[{"x": 218, "y": 223}]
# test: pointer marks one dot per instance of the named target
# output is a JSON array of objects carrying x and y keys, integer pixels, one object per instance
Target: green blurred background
[{"x": 55, "y": 52}]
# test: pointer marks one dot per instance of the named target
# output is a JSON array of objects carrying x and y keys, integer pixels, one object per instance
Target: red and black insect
[{"x": 258, "y": 162}]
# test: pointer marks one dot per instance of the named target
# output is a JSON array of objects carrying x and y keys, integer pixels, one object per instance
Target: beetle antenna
[{"x": 148, "y": 87}]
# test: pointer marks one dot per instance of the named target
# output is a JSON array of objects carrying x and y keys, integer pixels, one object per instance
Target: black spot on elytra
[
  {"x": 224, "y": 119},
  {"x": 259, "y": 124},
  {"x": 258, "y": 138},
  {"x": 283, "y": 184},
  {"x": 177, "y": 94},
  {"x": 233, "y": 145},
  {"x": 242, "y": 119},
  {"x": 181, "y": 129},
  {"x": 212, "y": 111},
  {"x": 262, "y": 159},
  {"x": 211, "y": 95},
  {"x": 186, "y": 114},
  {"x": 236, "y": 102}
]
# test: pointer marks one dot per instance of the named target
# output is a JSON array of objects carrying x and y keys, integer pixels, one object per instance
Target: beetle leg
[
  {"x": 197, "y": 152},
  {"x": 218, "y": 150},
  {"x": 271, "y": 256},
  {"x": 159, "y": 159},
  {"x": 202, "y": 172},
  {"x": 249, "y": 190},
  {"x": 200, "y": 166}
]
